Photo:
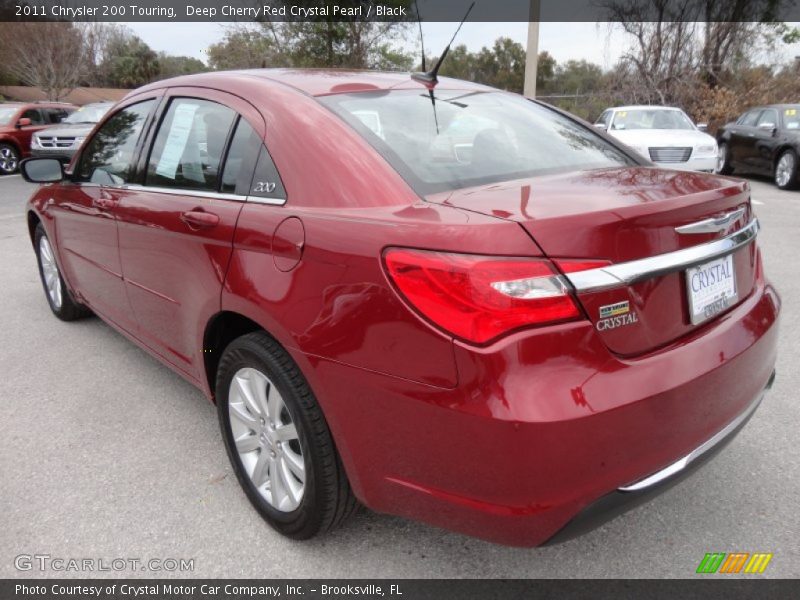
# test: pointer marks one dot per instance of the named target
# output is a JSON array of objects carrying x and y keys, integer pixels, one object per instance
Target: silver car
[{"x": 63, "y": 140}]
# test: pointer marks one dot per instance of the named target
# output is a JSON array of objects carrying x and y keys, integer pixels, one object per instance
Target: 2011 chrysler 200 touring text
[{"x": 444, "y": 301}]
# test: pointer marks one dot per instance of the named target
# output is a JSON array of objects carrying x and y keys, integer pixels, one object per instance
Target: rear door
[
  {"x": 766, "y": 140},
  {"x": 176, "y": 224},
  {"x": 24, "y": 134},
  {"x": 743, "y": 138}
]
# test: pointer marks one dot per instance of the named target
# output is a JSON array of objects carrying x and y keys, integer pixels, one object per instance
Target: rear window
[{"x": 456, "y": 139}]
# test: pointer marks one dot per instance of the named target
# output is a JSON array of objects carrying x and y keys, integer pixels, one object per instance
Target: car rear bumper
[
  {"x": 627, "y": 497},
  {"x": 543, "y": 424}
]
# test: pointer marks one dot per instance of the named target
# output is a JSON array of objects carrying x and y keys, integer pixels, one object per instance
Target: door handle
[
  {"x": 104, "y": 202},
  {"x": 198, "y": 219}
]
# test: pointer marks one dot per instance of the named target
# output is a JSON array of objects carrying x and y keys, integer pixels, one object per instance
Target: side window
[
  {"x": 604, "y": 118},
  {"x": 35, "y": 115},
  {"x": 188, "y": 148},
  {"x": 768, "y": 117},
  {"x": 56, "y": 115},
  {"x": 749, "y": 119},
  {"x": 241, "y": 156},
  {"x": 108, "y": 158}
]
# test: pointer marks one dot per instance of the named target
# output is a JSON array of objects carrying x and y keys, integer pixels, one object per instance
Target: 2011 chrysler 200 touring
[{"x": 444, "y": 301}]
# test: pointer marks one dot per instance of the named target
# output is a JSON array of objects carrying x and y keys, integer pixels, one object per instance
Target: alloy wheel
[
  {"x": 8, "y": 160},
  {"x": 52, "y": 278},
  {"x": 784, "y": 169},
  {"x": 266, "y": 439}
]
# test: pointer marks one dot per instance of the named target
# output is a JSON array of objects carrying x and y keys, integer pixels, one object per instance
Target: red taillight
[{"x": 480, "y": 298}]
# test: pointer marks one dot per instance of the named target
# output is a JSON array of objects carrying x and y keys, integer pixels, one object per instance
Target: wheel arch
[
  {"x": 10, "y": 141},
  {"x": 779, "y": 152},
  {"x": 221, "y": 329},
  {"x": 33, "y": 222},
  {"x": 227, "y": 325}
]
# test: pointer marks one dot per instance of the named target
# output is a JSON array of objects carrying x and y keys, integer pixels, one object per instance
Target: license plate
[{"x": 711, "y": 288}]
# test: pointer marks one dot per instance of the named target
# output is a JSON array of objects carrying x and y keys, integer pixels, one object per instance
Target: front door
[{"x": 83, "y": 210}]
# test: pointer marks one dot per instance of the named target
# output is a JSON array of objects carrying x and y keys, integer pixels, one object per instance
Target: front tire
[
  {"x": 786, "y": 171},
  {"x": 278, "y": 441},
  {"x": 61, "y": 302},
  {"x": 9, "y": 159},
  {"x": 723, "y": 160}
]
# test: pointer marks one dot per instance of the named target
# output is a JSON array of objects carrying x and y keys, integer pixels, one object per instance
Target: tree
[
  {"x": 46, "y": 55},
  {"x": 172, "y": 66},
  {"x": 246, "y": 48},
  {"x": 545, "y": 70},
  {"x": 128, "y": 61},
  {"x": 354, "y": 45}
]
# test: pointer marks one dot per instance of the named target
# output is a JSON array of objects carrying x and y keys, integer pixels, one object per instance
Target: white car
[{"x": 662, "y": 134}]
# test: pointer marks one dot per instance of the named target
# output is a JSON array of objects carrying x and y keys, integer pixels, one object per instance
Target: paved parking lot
[{"x": 104, "y": 453}]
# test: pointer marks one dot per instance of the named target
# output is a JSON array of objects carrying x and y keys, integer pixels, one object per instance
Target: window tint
[
  {"x": 56, "y": 115},
  {"x": 188, "y": 149},
  {"x": 108, "y": 156},
  {"x": 749, "y": 119},
  {"x": 651, "y": 119},
  {"x": 769, "y": 116},
  {"x": 35, "y": 115},
  {"x": 456, "y": 139},
  {"x": 243, "y": 149}
]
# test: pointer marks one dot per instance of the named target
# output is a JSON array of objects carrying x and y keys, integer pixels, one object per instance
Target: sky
[{"x": 596, "y": 42}]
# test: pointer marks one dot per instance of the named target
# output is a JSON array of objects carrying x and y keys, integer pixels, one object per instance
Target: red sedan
[{"x": 436, "y": 299}]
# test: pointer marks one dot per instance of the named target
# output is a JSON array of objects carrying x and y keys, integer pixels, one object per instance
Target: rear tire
[
  {"x": 295, "y": 480},
  {"x": 786, "y": 177},
  {"x": 724, "y": 160},
  {"x": 9, "y": 159},
  {"x": 60, "y": 299}
]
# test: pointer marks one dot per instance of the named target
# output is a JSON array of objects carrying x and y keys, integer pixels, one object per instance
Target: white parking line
[
  {"x": 757, "y": 202},
  {"x": 9, "y": 176}
]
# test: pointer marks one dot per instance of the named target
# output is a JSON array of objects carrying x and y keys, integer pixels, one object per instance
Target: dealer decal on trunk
[{"x": 616, "y": 315}]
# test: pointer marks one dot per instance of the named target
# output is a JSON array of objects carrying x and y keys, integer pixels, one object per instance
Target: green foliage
[
  {"x": 172, "y": 66},
  {"x": 501, "y": 66},
  {"x": 128, "y": 61},
  {"x": 328, "y": 44}
]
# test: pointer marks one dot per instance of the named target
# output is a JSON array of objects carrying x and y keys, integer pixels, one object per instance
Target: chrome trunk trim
[{"x": 646, "y": 268}]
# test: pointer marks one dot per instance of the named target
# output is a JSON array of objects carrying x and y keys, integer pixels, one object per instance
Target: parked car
[
  {"x": 507, "y": 343},
  {"x": 63, "y": 140},
  {"x": 764, "y": 140},
  {"x": 18, "y": 122},
  {"x": 662, "y": 134}
]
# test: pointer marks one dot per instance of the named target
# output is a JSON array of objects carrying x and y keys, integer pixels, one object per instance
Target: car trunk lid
[{"x": 623, "y": 215}]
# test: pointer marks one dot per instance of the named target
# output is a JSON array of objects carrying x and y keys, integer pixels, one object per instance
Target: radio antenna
[
  {"x": 421, "y": 39},
  {"x": 431, "y": 76}
]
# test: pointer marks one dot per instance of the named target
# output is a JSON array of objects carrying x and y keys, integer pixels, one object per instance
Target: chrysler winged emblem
[{"x": 712, "y": 225}]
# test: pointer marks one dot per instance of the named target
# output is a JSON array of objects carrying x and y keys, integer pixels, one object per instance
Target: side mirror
[
  {"x": 600, "y": 126},
  {"x": 768, "y": 127},
  {"x": 702, "y": 126},
  {"x": 42, "y": 170},
  {"x": 23, "y": 122}
]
